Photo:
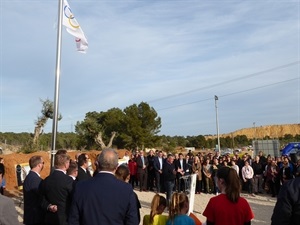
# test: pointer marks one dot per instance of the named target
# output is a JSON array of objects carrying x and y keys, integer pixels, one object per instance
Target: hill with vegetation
[{"x": 261, "y": 132}]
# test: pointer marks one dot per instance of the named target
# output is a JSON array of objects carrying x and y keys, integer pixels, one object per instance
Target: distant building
[{"x": 189, "y": 149}]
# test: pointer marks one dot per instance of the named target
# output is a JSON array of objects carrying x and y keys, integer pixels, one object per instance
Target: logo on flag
[{"x": 74, "y": 28}]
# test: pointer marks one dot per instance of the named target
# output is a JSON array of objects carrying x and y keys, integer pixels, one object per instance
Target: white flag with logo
[{"x": 74, "y": 28}]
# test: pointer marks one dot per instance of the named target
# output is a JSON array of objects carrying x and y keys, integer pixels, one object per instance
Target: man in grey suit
[
  {"x": 142, "y": 170},
  {"x": 8, "y": 213},
  {"x": 103, "y": 199}
]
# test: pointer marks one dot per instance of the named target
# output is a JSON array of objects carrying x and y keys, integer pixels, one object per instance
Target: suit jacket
[
  {"x": 82, "y": 175},
  {"x": 8, "y": 213},
  {"x": 197, "y": 168},
  {"x": 156, "y": 164},
  {"x": 57, "y": 189},
  {"x": 139, "y": 163},
  {"x": 103, "y": 200},
  {"x": 178, "y": 166},
  {"x": 33, "y": 213}
]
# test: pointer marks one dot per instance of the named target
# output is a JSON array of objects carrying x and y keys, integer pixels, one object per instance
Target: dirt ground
[{"x": 14, "y": 159}]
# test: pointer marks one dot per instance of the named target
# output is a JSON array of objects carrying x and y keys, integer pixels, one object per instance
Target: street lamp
[
  {"x": 254, "y": 131},
  {"x": 217, "y": 122}
]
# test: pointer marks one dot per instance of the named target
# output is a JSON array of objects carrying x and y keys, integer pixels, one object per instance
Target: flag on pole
[{"x": 74, "y": 28}]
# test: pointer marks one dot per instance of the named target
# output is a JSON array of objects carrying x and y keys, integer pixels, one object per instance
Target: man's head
[
  {"x": 62, "y": 161},
  {"x": 83, "y": 160},
  {"x": 36, "y": 163},
  {"x": 180, "y": 156},
  {"x": 108, "y": 160},
  {"x": 160, "y": 154},
  {"x": 176, "y": 156},
  {"x": 170, "y": 158},
  {"x": 123, "y": 173},
  {"x": 285, "y": 159},
  {"x": 61, "y": 151},
  {"x": 73, "y": 169}
]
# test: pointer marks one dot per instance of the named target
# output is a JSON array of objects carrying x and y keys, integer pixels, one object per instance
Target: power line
[
  {"x": 226, "y": 82},
  {"x": 234, "y": 93}
]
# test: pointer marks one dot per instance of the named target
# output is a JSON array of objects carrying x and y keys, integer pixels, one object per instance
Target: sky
[{"x": 174, "y": 55}]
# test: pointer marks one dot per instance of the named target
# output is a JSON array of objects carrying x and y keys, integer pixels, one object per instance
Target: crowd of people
[
  {"x": 257, "y": 175},
  {"x": 73, "y": 195}
]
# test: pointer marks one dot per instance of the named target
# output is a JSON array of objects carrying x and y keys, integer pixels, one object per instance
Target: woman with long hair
[
  {"x": 228, "y": 208},
  {"x": 197, "y": 169},
  {"x": 158, "y": 205},
  {"x": 178, "y": 210}
]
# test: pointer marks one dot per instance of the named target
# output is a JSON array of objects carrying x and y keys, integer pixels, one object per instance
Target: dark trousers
[
  {"x": 143, "y": 180},
  {"x": 198, "y": 185},
  {"x": 133, "y": 180},
  {"x": 249, "y": 185},
  {"x": 181, "y": 185},
  {"x": 158, "y": 182},
  {"x": 169, "y": 185},
  {"x": 151, "y": 177}
]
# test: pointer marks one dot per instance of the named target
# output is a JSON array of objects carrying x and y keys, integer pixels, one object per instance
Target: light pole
[
  {"x": 217, "y": 122},
  {"x": 254, "y": 136}
]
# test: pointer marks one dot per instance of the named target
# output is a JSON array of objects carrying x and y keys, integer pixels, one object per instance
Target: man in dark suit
[
  {"x": 158, "y": 167},
  {"x": 151, "y": 170},
  {"x": 103, "y": 199},
  {"x": 57, "y": 189},
  {"x": 180, "y": 166},
  {"x": 33, "y": 212},
  {"x": 83, "y": 165},
  {"x": 142, "y": 164},
  {"x": 169, "y": 174}
]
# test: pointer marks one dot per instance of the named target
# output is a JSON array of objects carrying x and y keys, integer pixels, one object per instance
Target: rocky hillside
[{"x": 273, "y": 131}]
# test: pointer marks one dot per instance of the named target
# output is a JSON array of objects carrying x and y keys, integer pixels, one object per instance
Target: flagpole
[{"x": 57, "y": 79}]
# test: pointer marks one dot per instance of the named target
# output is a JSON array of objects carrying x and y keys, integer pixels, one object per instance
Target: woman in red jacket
[{"x": 133, "y": 171}]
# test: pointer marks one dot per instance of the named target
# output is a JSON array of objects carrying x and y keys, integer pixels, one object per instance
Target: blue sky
[{"x": 174, "y": 55}]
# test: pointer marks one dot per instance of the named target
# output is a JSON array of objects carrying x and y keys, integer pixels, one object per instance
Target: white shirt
[
  {"x": 160, "y": 163},
  {"x": 247, "y": 172},
  {"x": 236, "y": 168}
]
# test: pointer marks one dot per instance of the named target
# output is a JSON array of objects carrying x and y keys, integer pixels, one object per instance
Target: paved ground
[{"x": 262, "y": 206}]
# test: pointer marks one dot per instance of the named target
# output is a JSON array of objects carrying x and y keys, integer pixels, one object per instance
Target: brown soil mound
[{"x": 14, "y": 159}]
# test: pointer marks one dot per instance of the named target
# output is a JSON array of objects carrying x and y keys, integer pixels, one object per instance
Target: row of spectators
[{"x": 258, "y": 175}]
